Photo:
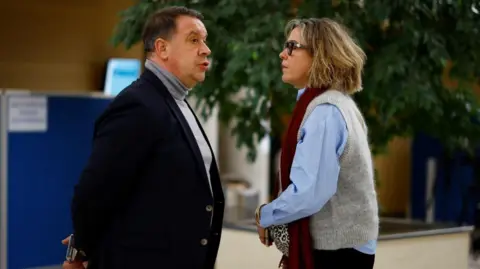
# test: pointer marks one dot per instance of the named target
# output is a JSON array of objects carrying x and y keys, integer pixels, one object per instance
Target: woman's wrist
[{"x": 258, "y": 213}]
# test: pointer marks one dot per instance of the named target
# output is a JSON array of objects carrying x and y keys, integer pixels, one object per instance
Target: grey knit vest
[{"x": 350, "y": 218}]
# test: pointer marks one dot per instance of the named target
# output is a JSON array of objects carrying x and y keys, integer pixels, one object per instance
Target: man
[{"x": 150, "y": 195}]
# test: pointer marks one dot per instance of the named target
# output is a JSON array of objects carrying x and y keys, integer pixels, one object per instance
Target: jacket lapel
[{"x": 189, "y": 137}]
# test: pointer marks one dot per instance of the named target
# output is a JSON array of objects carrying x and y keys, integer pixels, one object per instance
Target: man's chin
[{"x": 200, "y": 78}]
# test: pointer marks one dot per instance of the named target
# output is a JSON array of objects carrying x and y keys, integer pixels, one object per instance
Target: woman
[{"x": 328, "y": 197}]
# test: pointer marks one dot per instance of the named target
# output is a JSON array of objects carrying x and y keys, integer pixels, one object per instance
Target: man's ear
[{"x": 161, "y": 48}]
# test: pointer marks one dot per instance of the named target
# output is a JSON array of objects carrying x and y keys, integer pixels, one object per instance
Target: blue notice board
[{"x": 44, "y": 160}]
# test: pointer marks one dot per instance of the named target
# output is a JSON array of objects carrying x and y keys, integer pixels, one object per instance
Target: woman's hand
[
  {"x": 262, "y": 232},
  {"x": 263, "y": 236}
]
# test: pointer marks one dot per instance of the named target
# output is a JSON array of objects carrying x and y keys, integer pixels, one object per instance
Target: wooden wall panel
[
  {"x": 58, "y": 45},
  {"x": 393, "y": 175}
]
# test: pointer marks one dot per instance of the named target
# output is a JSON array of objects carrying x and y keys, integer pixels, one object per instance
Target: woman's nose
[{"x": 283, "y": 54}]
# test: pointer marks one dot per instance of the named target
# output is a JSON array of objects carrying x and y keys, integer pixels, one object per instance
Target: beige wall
[{"x": 58, "y": 45}]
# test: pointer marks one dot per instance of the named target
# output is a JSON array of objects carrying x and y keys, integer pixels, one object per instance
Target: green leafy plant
[{"x": 409, "y": 45}]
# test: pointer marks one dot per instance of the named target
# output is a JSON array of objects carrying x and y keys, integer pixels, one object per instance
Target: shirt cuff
[{"x": 266, "y": 216}]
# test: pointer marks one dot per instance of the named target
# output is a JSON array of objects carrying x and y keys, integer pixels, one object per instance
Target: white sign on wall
[{"x": 27, "y": 113}]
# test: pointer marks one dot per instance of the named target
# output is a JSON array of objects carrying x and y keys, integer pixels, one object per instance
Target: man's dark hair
[{"x": 162, "y": 24}]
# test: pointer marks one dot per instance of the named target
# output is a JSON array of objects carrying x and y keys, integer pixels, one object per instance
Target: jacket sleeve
[{"x": 122, "y": 142}]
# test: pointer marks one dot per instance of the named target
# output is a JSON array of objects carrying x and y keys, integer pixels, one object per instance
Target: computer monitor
[{"x": 121, "y": 72}]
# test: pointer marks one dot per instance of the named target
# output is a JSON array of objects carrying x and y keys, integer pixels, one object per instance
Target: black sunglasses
[{"x": 292, "y": 45}]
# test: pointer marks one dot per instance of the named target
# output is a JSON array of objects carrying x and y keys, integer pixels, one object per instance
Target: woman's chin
[{"x": 287, "y": 80}]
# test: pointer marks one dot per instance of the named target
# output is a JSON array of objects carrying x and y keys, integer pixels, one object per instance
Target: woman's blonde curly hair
[{"x": 337, "y": 59}]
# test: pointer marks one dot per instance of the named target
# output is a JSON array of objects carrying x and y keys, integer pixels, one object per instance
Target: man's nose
[{"x": 205, "y": 50}]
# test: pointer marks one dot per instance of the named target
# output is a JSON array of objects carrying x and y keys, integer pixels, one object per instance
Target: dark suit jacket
[{"x": 143, "y": 200}]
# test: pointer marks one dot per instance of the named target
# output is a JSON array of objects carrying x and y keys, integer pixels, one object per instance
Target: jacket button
[
  {"x": 209, "y": 208},
  {"x": 204, "y": 242}
]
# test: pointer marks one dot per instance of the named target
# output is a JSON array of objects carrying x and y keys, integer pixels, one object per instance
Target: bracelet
[{"x": 257, "y": 214}]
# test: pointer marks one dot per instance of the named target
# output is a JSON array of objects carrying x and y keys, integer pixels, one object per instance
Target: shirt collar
[{"x": 300, "y": 92}]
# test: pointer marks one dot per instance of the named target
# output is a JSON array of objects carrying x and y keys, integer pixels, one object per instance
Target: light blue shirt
[{"x": 315, "y": 170}]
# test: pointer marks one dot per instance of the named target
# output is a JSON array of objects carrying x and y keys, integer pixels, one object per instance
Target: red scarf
[{"x": 300, "y": 254}]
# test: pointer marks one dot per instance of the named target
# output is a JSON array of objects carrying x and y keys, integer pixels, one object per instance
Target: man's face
[{"x": 187, "y": 51}]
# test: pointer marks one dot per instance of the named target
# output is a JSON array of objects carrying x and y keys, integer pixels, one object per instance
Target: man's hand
[
  {"x": 66, "y": 240},
  {"x": 72, "y": 265}
]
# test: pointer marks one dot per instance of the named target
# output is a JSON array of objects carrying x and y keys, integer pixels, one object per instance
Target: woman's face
[{"x": 296, "y": 61}]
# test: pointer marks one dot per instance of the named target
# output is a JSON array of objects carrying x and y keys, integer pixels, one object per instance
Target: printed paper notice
[{"x": 27, "y": 113}]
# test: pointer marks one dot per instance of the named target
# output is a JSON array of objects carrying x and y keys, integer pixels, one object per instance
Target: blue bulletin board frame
[{"x": 38, "y": 172}]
